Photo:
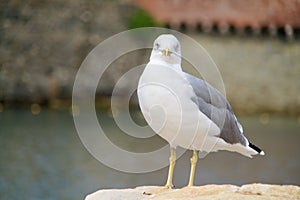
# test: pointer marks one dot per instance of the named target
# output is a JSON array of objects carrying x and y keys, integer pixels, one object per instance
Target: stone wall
[
  {"x": 44, "y": 43},
  {"x": 260, "y": 75}
]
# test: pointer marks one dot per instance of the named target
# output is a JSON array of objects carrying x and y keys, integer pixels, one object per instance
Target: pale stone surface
[{"x": 250, "y": 191}]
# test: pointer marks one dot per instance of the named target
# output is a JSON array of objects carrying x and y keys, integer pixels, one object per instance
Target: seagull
[{"x": 187, "y": 111}]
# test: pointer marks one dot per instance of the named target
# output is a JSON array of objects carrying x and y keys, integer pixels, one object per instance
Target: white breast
[{"x": 165, "y": 100}]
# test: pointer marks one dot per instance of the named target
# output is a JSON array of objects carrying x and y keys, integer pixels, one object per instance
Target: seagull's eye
[{"x": 156, "y": 46}]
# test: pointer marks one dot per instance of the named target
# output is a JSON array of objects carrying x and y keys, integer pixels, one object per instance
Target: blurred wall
[
  {"x": 260, "y": 74},
  {"x": 44, "y": 42}
]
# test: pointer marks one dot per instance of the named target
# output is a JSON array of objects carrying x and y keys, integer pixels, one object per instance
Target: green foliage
[{"x": 140, "y": 18}]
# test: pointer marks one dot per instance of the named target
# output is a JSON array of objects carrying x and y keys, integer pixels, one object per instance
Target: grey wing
[{"x": 214, "y": 105}]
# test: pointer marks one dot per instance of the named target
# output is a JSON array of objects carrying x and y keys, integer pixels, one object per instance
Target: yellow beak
[{"x": 166, "y": 52}]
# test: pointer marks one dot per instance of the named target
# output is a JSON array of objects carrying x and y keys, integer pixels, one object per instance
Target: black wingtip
[{"x": 256, "y": 149}]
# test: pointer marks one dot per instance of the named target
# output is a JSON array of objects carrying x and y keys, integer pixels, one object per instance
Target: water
[{"x": 42, "y": 157}]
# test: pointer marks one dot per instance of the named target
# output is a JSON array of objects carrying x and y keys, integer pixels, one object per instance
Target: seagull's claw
[
  {"x": 158, "y": 190},
  {"x": 169, "y": 186}
]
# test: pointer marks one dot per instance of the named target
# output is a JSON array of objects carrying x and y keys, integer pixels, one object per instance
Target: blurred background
[{"x": 255, "y": 44}]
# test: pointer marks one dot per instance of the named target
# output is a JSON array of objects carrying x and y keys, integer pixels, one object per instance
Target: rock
[{"x": 250, "y": 191}]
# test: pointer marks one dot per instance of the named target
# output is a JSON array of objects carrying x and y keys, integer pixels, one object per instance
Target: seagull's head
[{"x": 167, "y": 48}]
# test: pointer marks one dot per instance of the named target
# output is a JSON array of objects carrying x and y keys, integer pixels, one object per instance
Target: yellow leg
[
  {"x": 194, "y": 160},
  {"x": 169, "y": 183}
]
